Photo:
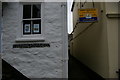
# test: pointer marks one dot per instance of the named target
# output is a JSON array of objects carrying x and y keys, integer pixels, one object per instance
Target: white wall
[
  {"x": 70, "y": 16},
  {"x": 48, "y": 62}
]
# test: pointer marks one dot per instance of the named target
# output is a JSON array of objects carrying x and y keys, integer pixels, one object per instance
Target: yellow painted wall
[
  {"x": 112, "y": 31},
  {"x": 96, "y": 46}
]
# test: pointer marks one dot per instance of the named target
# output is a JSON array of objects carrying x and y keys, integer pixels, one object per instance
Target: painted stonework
[{"x": 39, "y": 62}]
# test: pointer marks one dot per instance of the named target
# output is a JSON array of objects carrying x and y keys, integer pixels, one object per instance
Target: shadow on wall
[{"x": 10, "y": 73}]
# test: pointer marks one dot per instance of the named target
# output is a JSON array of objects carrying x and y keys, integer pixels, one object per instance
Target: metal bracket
[
  {"x": 118, "y": 72},
  {"x": 113, "y": 15}
]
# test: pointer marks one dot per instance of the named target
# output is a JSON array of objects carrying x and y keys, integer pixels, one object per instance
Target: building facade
[
  {"x": 34, "y": 38},
  {"x": 0, "y": 38},
  {"x": 96, "y": 43}
]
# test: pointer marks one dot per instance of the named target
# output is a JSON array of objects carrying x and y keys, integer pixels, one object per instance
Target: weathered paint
[{"x": 47, "y": 62}]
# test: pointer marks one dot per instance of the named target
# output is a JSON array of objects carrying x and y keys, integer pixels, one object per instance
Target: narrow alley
[
  {"x": 35, "y": 42},
  {"x": 79, "y": 71},
  {"x": 94, "y": 40}
]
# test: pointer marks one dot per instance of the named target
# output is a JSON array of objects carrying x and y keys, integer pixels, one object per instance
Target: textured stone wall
[{"x": 46, "y": 62}]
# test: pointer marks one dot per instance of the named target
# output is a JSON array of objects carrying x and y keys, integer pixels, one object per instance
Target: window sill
[{"x": 30, "y": 40}]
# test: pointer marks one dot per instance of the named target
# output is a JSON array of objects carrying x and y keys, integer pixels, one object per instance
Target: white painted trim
[
  {"x": 30, "y": 39},
  {"x": 33, "y": 19},
  {"x": 31, "y": 1},
  {"x": 21, "y": 37}
]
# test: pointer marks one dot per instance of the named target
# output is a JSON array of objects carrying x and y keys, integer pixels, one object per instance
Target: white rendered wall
[{"x": 47, "y": 62}]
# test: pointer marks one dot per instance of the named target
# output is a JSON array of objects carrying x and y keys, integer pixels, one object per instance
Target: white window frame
[{"x": 31, "y": 37}]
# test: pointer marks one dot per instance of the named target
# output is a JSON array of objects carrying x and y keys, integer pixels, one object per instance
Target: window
[{"x": 32, "y": 19}]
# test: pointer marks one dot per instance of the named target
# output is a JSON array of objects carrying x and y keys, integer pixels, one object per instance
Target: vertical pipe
[{"x": 0, "y": 39}]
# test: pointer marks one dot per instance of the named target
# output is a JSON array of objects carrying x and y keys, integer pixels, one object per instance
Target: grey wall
[
  {"x": 45, "y": 62},
  {"x": 0, "y": 38},
  {"x": 0, "y": 22},
  {"x": 119, "y": 38}
]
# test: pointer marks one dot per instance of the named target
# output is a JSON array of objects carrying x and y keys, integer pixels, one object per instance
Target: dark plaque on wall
[{"x": 34, "y": 45}]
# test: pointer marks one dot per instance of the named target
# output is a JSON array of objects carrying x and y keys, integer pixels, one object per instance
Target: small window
[{"x": 31, "y": 19}]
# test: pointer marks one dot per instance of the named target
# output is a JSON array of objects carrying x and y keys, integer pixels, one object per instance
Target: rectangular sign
[
  {"x": 36, "y": 28},
  {"x": 27, "y": 28},
  {"x": 88, "y": 15}
]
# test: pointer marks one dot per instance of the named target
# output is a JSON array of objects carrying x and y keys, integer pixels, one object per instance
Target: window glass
[
  {"x": 26, "y": 27},
  {"x": 32, "y": 19},
  {"x": 36, "y": 27},
  {"x": 36, "y": 11},
  {"x": 26, "y": 11}
]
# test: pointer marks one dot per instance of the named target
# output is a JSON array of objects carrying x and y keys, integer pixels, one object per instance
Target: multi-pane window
[{"x": 32, "y": 19}]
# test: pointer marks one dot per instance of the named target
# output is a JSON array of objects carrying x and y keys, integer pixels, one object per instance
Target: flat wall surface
[
  {"x": 96, "y": 44},
  {"x": 90, "y": 44},
  {"x": 46, "y": 62},
  {"x": 112, "y": 31}
]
